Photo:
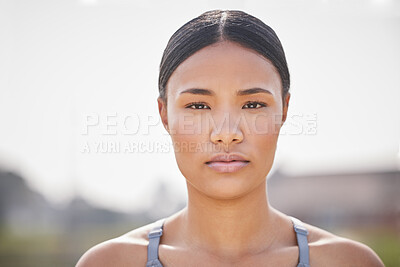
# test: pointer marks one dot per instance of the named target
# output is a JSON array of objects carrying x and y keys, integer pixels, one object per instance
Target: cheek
[
  {"x": 186, "y": 128},
  {"x": 267, "y": 124},
  {"x": 189, "y": 139},
  {"x": 263, "y": 132}
]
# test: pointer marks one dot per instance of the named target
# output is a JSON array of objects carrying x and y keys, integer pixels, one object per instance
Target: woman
[{"x": 224, "y": 95}]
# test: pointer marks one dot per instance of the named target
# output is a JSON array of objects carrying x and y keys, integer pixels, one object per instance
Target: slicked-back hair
[{"x": 222, "y": 25}]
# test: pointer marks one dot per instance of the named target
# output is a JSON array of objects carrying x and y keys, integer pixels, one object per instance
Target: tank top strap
[
  {"x": 154, "y": 241},
  {"x": 302, "y": 242}
]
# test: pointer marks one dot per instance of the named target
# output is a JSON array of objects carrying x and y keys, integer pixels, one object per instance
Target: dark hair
[{"x": 219, "y": 25}]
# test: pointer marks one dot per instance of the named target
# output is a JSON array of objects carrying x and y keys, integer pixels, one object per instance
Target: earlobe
[
  {"x": 285, "y": 107},
  {"x": 162, "y": 110}
]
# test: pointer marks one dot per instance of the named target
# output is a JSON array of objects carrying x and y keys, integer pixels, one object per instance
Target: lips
[
  {"x": 227, "y": 158},
  {"x": 227, "y": 163}
]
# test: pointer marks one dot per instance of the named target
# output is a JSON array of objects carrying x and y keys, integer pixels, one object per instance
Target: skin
[{"x": 228, "y": 220}]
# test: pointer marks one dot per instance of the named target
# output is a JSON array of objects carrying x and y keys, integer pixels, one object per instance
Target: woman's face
[{"x": 224, "y": 118}]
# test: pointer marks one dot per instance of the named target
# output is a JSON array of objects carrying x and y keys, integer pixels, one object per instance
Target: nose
[{"x": 225, "y": 129}]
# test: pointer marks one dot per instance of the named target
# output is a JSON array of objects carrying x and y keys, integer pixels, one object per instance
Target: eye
[
  {"x": 197, "y": 105},
  {"x": 254, "y": 105}
]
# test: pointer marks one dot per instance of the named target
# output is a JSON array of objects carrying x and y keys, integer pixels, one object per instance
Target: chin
[{"x": 226, "y": 187}]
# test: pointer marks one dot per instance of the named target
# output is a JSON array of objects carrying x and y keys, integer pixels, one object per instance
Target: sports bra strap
[
  {"x": 301, "y": 234},
  {"x": 154, "y": 240}
]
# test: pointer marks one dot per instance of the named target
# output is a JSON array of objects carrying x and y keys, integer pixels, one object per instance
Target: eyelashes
[
  {"x": 198, "y": 105},
  {"x": 202, "y": 105},
  {"x": 257, "y": 104}
]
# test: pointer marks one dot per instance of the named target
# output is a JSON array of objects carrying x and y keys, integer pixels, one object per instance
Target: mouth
[
  {"x": 226, "y": 161},
  {"x": 227, "y": 158},
  {"x": 227, "y": 166}
]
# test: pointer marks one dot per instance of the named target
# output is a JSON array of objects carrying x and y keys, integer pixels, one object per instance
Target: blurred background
[{"x": 85, "y": 158}]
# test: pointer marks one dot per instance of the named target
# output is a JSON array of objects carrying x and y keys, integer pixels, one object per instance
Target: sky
[{"x": 79, "y": 83}]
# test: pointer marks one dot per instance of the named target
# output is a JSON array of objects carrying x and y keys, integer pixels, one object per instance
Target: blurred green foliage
[{"x": 45, "y": 249}]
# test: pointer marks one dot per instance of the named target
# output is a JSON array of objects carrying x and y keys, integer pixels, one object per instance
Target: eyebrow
[{"x": 250, "y": 91}]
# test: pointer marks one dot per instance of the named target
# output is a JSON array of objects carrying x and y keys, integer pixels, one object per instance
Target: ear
[
  {"x": 162, "y": 110},
  {"x": 285, "y": 107}
]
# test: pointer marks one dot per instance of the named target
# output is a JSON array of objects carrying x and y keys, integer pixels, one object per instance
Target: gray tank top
[{"x": 155, "y": 234}]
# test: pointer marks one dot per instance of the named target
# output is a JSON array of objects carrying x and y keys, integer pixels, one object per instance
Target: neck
[{"x": 228, "y": 228}]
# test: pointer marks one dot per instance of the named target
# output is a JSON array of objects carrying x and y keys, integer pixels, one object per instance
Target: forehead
[{"x": 224, "y": 65}]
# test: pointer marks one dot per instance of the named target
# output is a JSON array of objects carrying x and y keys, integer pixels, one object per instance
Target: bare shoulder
[
  {"x": 327, "y": 249},
  {"x": 129, "y": 249}
]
